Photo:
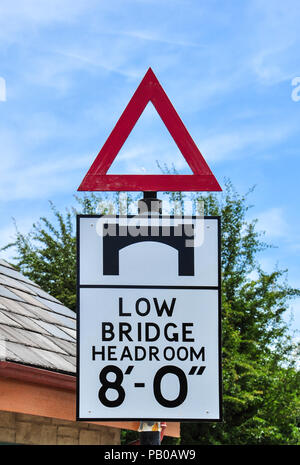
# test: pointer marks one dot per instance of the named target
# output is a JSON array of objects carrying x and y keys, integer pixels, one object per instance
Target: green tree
[
  {"x": 260, "y": 379},
  {"x": 260, "y": 404},
  {"x": 47, "y": 255}
]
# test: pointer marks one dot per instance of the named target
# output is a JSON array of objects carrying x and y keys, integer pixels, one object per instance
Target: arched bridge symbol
[{"x": 178, "y": 237}]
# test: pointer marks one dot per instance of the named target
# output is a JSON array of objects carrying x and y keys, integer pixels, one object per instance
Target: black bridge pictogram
[{"x": 173, "y": 236}]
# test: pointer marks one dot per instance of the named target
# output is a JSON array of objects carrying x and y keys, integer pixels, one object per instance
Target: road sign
[
  {"x": 149, "y": 90},
  {"x": 148, "y": 318}
]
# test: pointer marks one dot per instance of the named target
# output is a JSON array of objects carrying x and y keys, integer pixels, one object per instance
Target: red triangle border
[{"x": 149, "y": 89}]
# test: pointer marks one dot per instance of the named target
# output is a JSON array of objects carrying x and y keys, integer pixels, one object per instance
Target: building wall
[{"x": 19, "y": 428}]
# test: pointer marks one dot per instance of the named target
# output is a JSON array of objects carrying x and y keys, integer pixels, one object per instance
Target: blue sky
[{"x": 70, "y": 67}]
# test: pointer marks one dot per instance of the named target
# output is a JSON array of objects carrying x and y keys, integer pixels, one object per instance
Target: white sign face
[{"x": 149, "y": 319}]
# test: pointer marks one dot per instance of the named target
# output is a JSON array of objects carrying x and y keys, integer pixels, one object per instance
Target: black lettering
[
  {"x": 153, "y": 351},
  {"x": 185, "y": 331},
  {"x": 183, "y": 386},
  {"x": 169, "y": 349},
  {"x": 140, "y": 353},
  {"x": 107, "y": 331},
  {"x": 98, "y": 352},
  {"x": 164, "y": 307},
  {"x": 111, "y": 352},
  {"x": 137, "y": 306},
  {"x": 174, "y": 336},
  {"x": 183, "y": 350},
  {"x": 126, "y": 354},
  {"x": 139, "y": 332},
  {"x": 147, "y": 332},
  {"x": 121, "y": 308},
  {"x": 193, "y": 354},
  {"x": 115, "y": 385},
  {"x": 124, "y": 330}
]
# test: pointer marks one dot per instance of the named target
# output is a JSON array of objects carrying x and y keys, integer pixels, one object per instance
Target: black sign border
[{"x": 218, "y": 288}]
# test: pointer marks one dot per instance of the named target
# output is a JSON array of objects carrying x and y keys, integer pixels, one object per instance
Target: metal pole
[
  {"x": 149, "y": 204},
  {"x": 149, "y": 432}
]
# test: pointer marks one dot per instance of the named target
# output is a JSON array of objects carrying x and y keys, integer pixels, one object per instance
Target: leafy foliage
[
  {"x": 47, "y": 255},
  {"x": 260, "y": 379}
]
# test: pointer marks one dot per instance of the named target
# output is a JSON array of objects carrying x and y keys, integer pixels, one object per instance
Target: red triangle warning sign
[{"x": 149, "y": 90}]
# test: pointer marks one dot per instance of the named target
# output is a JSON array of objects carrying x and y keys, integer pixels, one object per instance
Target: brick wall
[{"x": 30, "y": 429}]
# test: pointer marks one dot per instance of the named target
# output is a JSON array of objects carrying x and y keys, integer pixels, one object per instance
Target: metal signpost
[{"x": 148, "y": 293}]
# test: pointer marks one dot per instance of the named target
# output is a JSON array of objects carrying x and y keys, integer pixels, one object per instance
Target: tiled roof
[{"x": 35, "y": 328}]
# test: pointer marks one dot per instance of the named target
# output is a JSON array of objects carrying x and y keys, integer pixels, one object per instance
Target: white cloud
[
  {"x": 275, "y": 40},
  {"x": 39, "y": 180},
  {"x": 242, "y": 143},
  {"x": 273, "y": 222},
  {"x": 17, "y": 16},
  {"x": 97, "y": 58},
  {"x": 272, "y": 66},
  {"x": 151, "y": 36}
]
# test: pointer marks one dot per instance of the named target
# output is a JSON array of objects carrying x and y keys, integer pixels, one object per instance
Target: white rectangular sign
[{"x": 148, "y": 319}]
